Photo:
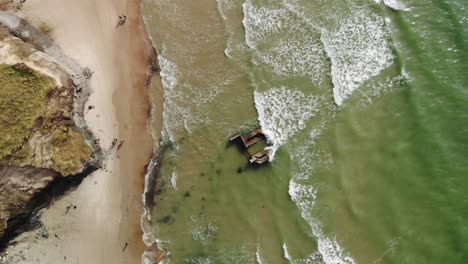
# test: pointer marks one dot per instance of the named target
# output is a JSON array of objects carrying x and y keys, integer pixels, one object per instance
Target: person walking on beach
[
  {"x": 119, "y": 22},
  {"x": 122, "y": 20}
]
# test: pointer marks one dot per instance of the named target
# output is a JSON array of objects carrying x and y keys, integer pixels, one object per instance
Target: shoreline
[
  {"x": 108, "y": 203},
  {"x": 153, "y": 253},
  {"x": 143, "y": 124}
]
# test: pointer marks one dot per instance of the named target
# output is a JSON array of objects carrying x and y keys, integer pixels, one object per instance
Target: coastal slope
[
  {"x": 45, "y": 141},
  {"x": 99, "y": 222}
]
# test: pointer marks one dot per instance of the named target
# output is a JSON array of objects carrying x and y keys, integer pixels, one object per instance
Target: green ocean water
[{"x": 365, "y": 105}]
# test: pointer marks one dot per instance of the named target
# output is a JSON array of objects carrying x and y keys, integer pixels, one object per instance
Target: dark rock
[
  {"x": 45, "y": 233},
  {"x": 167, "y": 220}
]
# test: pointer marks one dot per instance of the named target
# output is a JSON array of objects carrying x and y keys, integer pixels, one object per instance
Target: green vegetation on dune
[
  {"x": 69, "y": 150},
  {"x": 31, "y": 104},
  {"x": 23, "y": 95}
]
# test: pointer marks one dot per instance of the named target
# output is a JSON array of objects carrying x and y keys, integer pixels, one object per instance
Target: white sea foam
[
  {"x": 236, "y": 48},
  {"x": 169, "y": 73},
  {"x": 304, "y": 195},
  {"x": 306, "y": 157},
  {"x": 358, "y": 49},
  {"x": 302, "y": 55},
  {"x": 262, "y": 23},
  {"x": 332, "y": 252},
  {"x": 179, "y": 115},
  {"x": 201, "y": 229},
  {"x": 286, "y": 253},
  {"x": 145, "y": 220},
  {"x": 314, "y": 258},
  {"x": 225, "y": 7},
  {"x": 236, "y": 255},
  {"x": 394, "y": 4},
  {"x": 328, "y": 247},
  {"x": 381, "y": 88},
  {"x": 174, "y": 180},
  {"x": 283, "y": 112},
  {"x": 200, "y": 260},
  {"x": 405, "y": 73},
  {"x": 298, "y": 51},
  {"x": 258, "y": 257}
]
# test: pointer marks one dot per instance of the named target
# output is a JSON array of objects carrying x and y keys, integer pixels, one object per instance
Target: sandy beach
[{"x": 102, "y": 224}]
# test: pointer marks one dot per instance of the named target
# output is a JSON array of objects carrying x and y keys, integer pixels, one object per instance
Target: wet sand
[{"x": 105, "y": 209}]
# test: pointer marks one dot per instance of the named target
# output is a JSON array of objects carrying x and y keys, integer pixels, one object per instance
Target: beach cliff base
[{"x": 98, "y": 221}]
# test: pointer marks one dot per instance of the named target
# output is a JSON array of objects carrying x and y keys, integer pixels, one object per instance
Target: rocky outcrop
[
  {"x": 57, "y": 150},
  {"x": 17, "y": 186}
]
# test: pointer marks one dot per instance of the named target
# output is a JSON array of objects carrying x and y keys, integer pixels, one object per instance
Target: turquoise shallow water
[{"x": 365, "y": 104}]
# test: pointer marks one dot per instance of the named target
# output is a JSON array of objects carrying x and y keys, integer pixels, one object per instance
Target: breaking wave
[
  {"x": 262, "y": 23},
  {"x": 304, "y": 195},
  {"x": 178, "y": 115},
  {"x": 393, "y": 4},
  {"x": 174, "y": 180},
  {"x": 359, "y": 49},
  {"x": 285, "y": 43},
  {"x": 258, "y": 257},
  {"x": 286, "y": 254},
  {"x": 200, "y": 260},
  {"x": 283, "y": 112},
  {"x": 201, "y": 229},
  {"x": 350, "y": 52}
]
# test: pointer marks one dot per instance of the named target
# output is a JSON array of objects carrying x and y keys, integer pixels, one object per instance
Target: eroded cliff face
[
  {"x": 43, "y": 136},
  {"x": 18, "y": 185}
]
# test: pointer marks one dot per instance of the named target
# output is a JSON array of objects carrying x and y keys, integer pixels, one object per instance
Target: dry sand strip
[{"x": 104, "y": 212}]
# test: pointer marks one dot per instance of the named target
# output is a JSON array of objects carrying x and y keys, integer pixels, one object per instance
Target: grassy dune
[
  {"x": 29, "y": 105},
  {"x": 23, "y": 95}
]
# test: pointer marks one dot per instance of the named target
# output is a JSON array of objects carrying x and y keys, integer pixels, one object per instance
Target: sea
[{"x": 364, "y": 104}]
